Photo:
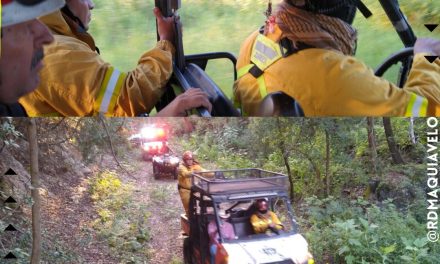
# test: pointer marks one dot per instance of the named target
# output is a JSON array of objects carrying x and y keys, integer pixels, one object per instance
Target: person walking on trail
[
  {"x": 306, "y": 50},
  {"x": 264, "y": 220},
  {"x": 226, "y": 230},
  {"x": 22, "y": 41},
  {"x": 186, "y": 168},
  {"x": 76, "y": 81}
]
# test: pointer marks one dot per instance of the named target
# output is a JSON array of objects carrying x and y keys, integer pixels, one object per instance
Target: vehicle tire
[
  {"x": 187, "y": 256},
  {"x": 156, "y": 171}
]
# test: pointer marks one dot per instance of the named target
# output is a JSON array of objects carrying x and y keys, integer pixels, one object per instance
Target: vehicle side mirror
[{"x": 280, "y": 104}]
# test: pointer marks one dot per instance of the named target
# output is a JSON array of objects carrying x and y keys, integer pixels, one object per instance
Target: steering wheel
[
  {"x": 404, "y": 55},
  {"x": 221, "y": 105},
  {"x": 194, "y": 76}
]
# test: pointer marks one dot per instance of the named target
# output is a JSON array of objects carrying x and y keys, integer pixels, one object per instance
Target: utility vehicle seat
[{"x": 242, "y": 226}]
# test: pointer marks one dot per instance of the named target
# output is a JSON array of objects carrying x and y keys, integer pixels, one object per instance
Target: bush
[
  {"x": 361, "y": 232},
  {"x": 121, "y": 223},
  {"x": 8, "y": 133}
]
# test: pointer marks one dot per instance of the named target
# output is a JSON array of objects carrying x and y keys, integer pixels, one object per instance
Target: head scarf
[{"x": 317, "y": 30}]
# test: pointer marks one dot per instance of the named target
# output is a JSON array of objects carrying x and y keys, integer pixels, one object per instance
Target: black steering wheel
[{"x": 404, "y": 56}]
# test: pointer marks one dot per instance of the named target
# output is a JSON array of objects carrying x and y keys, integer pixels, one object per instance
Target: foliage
[
  {"x": 361, "y": 232},
  {"x": 122, "y": 223},
  {"x": 8, "y": 133},
  {"x": 260, "y": 142},
  {"x": 93, "y": 140}
]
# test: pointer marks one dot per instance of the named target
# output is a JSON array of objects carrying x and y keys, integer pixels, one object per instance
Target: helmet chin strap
[{"x": 66, "y": 10}]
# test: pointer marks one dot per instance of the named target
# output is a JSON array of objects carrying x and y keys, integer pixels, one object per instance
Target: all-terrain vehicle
[
  {"x": 235, "y": 191},
  {"x": 154, "y": 141},
  {"x": 166, "y": 164}
]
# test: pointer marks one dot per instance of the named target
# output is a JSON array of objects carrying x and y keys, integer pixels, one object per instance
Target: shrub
[
  {"x": 362, "y": 232},
  {"x": 121, "y": 223}
]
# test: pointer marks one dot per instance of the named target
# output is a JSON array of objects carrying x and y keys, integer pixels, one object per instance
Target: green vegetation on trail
[
  {"x": 125, "y": 29},
  {"x": 121, "y": 222}
]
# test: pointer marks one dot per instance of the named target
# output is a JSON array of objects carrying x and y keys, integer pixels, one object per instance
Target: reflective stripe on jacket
[
  {"x": 328, "y": 83},
  {"x": 75, "y": 81}
]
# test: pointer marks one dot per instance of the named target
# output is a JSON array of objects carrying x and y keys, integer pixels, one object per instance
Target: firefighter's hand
[
  {"x": 165, "y": 25},
  {"x": 427, "y": 45},
  {"x": 193, "y": 98}
]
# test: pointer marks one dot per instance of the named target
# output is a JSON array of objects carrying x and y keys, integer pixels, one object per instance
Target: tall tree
[
  {"x": 285, "y": 152},
  {"x": 389, "y": 134},
  {"x": 372, "y": 143},
  {"x": 412, "y": 135},
  {"x": 35, "y": 182},
  {"x": 327, "y": 163}
]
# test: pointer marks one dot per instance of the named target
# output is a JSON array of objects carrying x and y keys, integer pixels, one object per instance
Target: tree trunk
[
  {"x": 289, "y": 174},
  {"x": 285, "y": 154},
  {"x": 372, "y": 144},
  {"x": 395, "y": 154},
  {"x": 327, "y": 163},
  {"x": 35, "y": 183},
  {"x": 412, "y": 135}
]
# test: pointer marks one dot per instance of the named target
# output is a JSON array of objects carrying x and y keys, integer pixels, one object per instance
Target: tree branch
[{"x": 112, "y": 148}]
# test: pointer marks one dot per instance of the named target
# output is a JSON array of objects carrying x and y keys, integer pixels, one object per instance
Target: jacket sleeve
[
  {"x": 184, "y": 172},
  {"x": 424, "y": 80},
  {"x": 77, "y": 82},
  {"x": 141, "y": 88},
  {"x": 144, "y": 86},
  {"x": 276, "y": 221},
  {"x": 356, "y": 90}
]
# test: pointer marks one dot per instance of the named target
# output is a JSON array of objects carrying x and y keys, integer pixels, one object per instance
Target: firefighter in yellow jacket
[
  {"x": 265, "y": 220},
  {"x": 21, "y": 50},
  {"x": 76, "y": 81},
  {"x": 306, "y": 49},
  {"x": 186, "y": 168}
]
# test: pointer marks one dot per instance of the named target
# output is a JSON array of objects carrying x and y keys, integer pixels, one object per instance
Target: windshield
[{"x": 249, "y": 222}]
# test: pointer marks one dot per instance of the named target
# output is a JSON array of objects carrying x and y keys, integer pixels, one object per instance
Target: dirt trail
[
  {"x": 163, "y": 201},
  {"x": 67, "y": 212}
]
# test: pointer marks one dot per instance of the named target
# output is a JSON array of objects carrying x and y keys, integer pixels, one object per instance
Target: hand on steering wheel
[{"x": 191, "y": 99}]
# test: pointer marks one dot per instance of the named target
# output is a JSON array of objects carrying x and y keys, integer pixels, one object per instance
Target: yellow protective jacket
[
  {"x": 75, "y": 81},
  {"x": 261, "y": 222},
  {"x": 328, "y": 83},
  {"x": 184, "y": 183},
  {"x": 184, "y": 174}
]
